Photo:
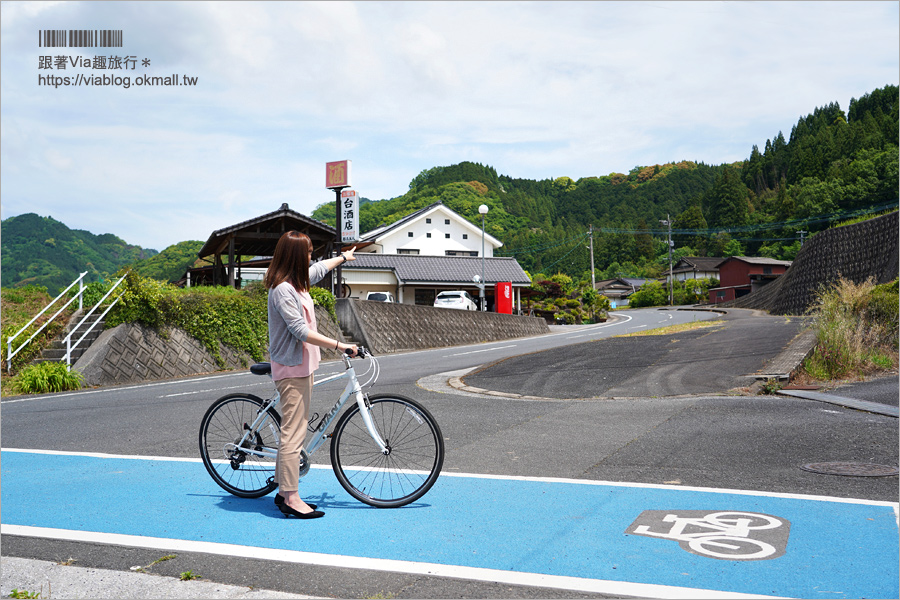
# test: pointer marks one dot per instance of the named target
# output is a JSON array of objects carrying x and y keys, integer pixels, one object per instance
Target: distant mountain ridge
[
  {"x": 835, "y": 165},
  {"x": 832, "y": 165},
  {"x": 43, "y": 251}
]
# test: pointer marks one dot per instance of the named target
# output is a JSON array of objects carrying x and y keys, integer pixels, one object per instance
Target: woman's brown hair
[{"x": 290, "y": 262}]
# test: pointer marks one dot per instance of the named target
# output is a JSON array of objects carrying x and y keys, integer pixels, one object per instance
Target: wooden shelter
[{"x": 256, "y": 238}]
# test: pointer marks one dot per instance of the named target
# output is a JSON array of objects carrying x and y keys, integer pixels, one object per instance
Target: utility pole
[
  {"x": 802, "y": 233},
  {"x": 591, "y": 233},
  {"x": 668, "y": 222}
]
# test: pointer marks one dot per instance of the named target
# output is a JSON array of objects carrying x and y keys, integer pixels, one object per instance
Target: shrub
[
  {"x": 213, "y": 315},
  {"x": 651, "y": 293},
  {"x": 856, "y": 329},
  {"x": 18, "y": 306},
  {"x": 48, "y": 377}
]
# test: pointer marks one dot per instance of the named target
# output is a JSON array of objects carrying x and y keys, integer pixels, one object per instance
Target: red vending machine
[{"x": 503, "y": 297}]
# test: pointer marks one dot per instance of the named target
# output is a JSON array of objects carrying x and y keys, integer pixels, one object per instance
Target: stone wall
[
  {"x": 855, "y": 252},
  {"x": 385, "y": 327},
  {"x": 131, "y": 353}
]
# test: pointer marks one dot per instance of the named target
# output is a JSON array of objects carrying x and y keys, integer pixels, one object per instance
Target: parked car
[
  {"x": 380, "y": 296},
  {"x": 459, "y": 299}
]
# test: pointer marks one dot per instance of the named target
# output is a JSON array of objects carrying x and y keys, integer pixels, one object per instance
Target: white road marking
[
  {"x": 484, "y": 350},
  {"x": 579, "y": 584},
  {"x": 626, "y": 484},
  {"x": 614, "y": 588}
]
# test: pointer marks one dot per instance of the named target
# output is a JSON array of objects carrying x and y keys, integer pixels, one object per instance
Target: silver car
[
  {"x": 459, "y": 299},
  {"x": 380, "y": 296}
]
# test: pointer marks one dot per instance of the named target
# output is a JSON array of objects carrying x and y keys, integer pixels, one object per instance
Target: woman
[{"x": 294, "y": 353}]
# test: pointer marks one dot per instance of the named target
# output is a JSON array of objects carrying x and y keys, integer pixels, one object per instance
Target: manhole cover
[{"x": 850, "y": 469}]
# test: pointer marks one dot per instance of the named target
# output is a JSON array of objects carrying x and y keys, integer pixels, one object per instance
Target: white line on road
[
  {"x": 122, "y": 389},
  {"x": 218, "y": 389},
  {"x": 626, "y": 484},
  {"x": 579, "y": 584},
  {"x": 484, "y": 350},
  {"x": 593, "y": 329}
]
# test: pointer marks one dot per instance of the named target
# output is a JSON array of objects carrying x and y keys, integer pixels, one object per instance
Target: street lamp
[{"x": 482, "y": 210}]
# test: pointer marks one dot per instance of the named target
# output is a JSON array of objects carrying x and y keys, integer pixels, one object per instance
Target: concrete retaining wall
[
  {"x": 132, "y": 353},
  {"x": 387, "y": 327},
  {"x": 855, "y": 252}
]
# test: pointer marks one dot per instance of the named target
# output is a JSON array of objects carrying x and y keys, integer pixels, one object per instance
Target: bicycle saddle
[{"x": 261, "y": 369}]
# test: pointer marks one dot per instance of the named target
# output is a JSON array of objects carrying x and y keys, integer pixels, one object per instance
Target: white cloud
[{"x": 534, "y": 89}]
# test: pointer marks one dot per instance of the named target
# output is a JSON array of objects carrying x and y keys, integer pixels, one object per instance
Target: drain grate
[{"x": 849, "y": 469}]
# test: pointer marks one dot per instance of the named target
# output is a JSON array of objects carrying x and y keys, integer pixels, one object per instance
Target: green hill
[
  {"x": 170, "y": 264},
  {"x": 834, "y": 166},
  {"x": 42, "y": 251}
]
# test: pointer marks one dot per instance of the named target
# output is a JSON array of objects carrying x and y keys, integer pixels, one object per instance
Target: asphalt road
[
  {"x": 670, "y": 444},
  {"x": 703, "y": 361}
]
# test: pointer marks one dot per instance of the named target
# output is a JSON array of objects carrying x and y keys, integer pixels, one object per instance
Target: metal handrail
[
  {"x": 68, "y": 340},
  {"x": 9, "y": 341}
]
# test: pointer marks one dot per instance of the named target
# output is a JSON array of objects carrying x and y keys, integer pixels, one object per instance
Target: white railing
[
  {"x": 9, "y": 351},
  {"x": 69, "y": 345}
]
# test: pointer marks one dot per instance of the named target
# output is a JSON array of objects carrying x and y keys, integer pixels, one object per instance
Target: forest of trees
[
  {"x": 42, "y": 251},
  {"x": 834, "y": 166}
]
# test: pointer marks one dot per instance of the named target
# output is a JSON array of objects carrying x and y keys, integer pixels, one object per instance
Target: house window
[
  {"x": 447, "y": 235},
  {"x": 410, "y": 234},
  {"x": 767, "y": 270},
  {"x": 428, "y": 220},
  {"x": 446, "y": 221},
  {"x": 465, "y": 236},
  {"x": 407, "y": 251},
  {"x": 428, "y": 235},
  {"x": 720, "y": 294},
  {"x": 459, "y": 253}
]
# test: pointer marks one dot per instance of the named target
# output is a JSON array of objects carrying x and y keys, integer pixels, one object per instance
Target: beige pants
[{"x": 296, "y": 393}]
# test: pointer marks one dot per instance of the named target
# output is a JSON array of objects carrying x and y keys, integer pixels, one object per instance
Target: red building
[{"x": 741, "y": 275}]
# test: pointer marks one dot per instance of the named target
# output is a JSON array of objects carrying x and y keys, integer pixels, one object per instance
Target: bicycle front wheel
[
  {"x": 412, "y": 464},
  {"x": 234, "y": 464}
]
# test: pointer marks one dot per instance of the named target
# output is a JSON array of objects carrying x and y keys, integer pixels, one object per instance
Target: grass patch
[
  {"x": 670, "y": 329},
  {"x": 856, "y": 331},
  {"x": 17, "y": 307},
  {"x": 47, "y": 378}
]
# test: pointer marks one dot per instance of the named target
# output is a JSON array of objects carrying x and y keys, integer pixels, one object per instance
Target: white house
[
  {"x": 433, "y": 231},
  {"x": 448, "y": 257}
]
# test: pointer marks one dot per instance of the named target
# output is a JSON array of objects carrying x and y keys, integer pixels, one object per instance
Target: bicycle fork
[{"x": 365, "y": 409}]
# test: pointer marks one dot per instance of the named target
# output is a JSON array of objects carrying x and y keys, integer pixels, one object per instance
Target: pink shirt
[{"x": 311, "y": 352}]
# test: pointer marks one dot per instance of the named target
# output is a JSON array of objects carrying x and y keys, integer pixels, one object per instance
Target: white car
[
  {"x": 459, "y": 299},
  {"x": 380, "y": 296}
]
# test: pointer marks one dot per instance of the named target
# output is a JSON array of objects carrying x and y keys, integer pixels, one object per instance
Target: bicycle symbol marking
[{"x": 724, "y": 535}]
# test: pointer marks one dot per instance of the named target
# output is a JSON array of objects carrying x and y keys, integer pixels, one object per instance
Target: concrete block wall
[
  {"x": 388, "y": 327},
  {"x": 855, "y": 252},
  {"x": 131, "y": 353}
]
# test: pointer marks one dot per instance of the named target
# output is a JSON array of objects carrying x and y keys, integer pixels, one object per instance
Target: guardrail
[
  {"x": 69, "y": 345},
  {"x": 78, "y": 296}
]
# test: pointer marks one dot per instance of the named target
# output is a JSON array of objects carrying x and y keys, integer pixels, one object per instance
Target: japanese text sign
[
  {"x": 349, "y": 216},
  {"x": 337, "y": 174}
]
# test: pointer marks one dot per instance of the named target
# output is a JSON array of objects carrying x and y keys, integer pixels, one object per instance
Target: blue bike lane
[{"x": 622, "y": 539}]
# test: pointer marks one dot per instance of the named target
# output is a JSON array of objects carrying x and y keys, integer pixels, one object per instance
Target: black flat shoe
[
  {"x": 279, "y": 500},
  {"x": 287, "y": 511}
]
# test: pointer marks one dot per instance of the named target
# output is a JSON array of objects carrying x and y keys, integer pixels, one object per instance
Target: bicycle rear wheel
[
  {"x": 237, "y": 471},
  {"x": 416, "y": 452}
]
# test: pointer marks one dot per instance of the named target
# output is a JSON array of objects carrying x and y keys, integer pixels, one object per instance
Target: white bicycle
[{"x": 386, "y": 450}]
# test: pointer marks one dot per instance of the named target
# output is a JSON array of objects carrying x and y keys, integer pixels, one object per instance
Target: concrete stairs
[{"x": 56, "y": 352}]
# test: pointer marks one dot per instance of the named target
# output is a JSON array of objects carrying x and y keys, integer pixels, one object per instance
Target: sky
[{"x": 536, "y": 90}]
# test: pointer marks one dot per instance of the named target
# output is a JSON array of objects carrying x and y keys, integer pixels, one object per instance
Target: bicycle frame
[{"x": 319, "y": 436}]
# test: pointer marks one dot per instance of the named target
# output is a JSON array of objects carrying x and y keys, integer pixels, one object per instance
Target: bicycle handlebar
[{"x": 361, "y": 352}]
